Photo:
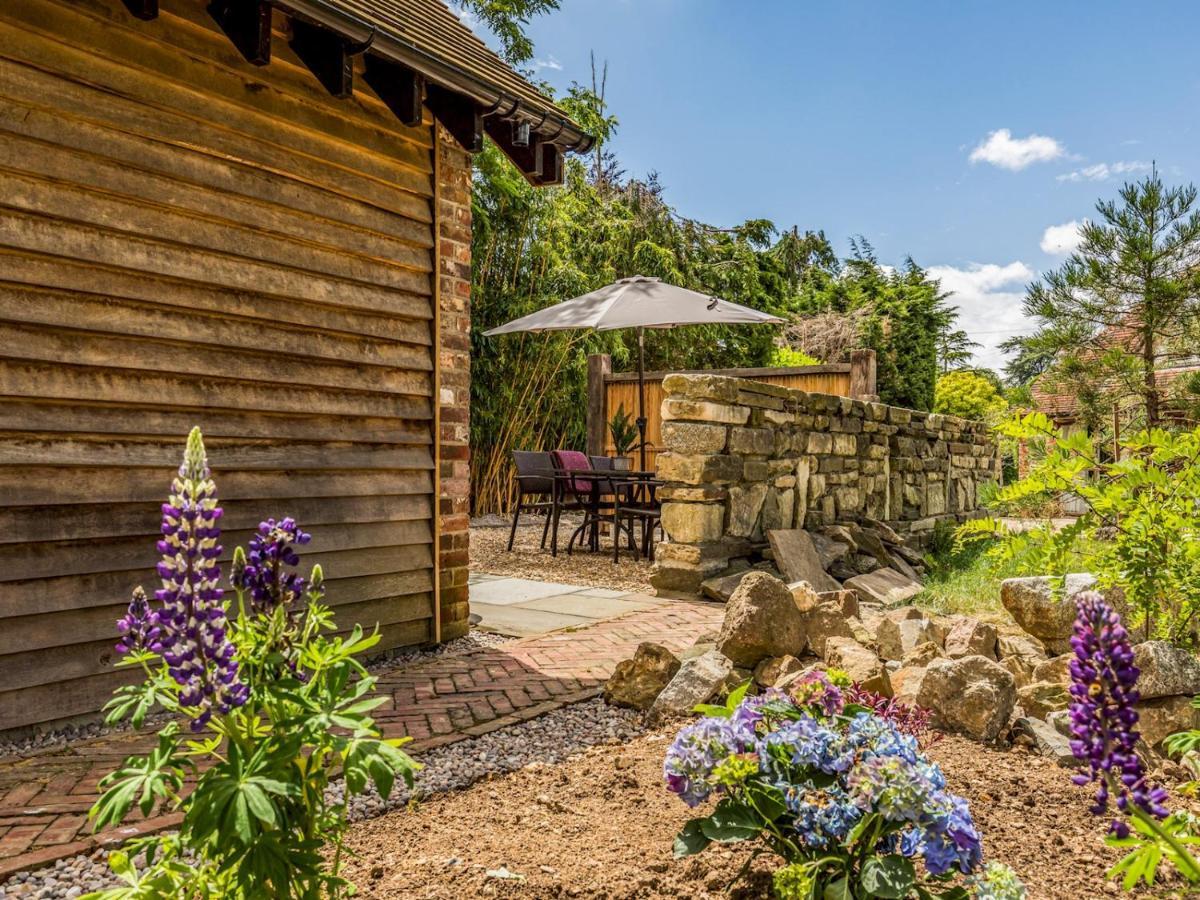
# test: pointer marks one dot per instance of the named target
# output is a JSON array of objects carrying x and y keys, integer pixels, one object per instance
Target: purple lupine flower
[
  {"x": 263, "y": 575},
  {"x": 197, "y": 649},
  {"x": 1104, "y": 715},
  {"x": 139, "y": 627}
]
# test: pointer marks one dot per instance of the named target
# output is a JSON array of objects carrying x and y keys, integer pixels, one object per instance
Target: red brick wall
[{"x": 454, "y": 273}]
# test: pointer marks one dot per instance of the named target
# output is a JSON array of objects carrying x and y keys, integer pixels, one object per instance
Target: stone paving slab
[
  {"x": 521, "y": 607},
  {"x": 524, "y": 621},
  {"x": 44, "y": 797}
]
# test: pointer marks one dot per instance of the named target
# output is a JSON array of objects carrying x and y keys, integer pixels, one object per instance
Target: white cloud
[
  {"x": 1061, "y": 240},
  {"x": 548, "y": 63},
  {"x": 989, "y": 298},
  {"x": 468, "y": 16},
  {"x": 1105, "y": 171},
  {"x": 1001, "y": 149}
]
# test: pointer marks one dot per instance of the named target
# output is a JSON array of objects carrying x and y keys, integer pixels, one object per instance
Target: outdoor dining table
[{"x": 642, "y": 486}]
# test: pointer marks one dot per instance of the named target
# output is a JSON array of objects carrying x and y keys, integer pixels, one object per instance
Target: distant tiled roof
[{"x": 1055, "y": 401}]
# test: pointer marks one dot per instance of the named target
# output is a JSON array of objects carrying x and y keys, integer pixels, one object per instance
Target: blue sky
[{"x": 954, "y": 132}]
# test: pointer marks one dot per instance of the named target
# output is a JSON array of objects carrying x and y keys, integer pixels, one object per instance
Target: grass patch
[{"x": 964, "y": 580}]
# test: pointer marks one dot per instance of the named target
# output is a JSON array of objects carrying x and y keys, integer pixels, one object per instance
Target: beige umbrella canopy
[{"x": 638, "y": 302}]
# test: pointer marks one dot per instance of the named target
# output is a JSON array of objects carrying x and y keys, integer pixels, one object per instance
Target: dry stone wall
[{"x": 743, "y": 458}]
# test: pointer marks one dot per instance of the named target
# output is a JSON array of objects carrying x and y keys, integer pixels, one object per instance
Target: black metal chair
[
  {"x": 647, "y": 512},
  {"x": 535, "y": 478}
]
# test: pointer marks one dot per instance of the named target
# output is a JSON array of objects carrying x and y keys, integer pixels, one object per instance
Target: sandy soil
[
  {"x": 601, "y": 825},
  {"x": 528, "y": 560}
]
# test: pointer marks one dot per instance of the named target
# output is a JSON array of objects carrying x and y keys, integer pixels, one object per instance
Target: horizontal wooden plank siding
[{"x": 186, "y": 239}]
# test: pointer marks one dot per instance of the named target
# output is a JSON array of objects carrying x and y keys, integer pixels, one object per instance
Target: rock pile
[
  {"x": 974, "y": 680},
  {"x": 774, "y": 632},
  {"x": 870, "y": 559}
]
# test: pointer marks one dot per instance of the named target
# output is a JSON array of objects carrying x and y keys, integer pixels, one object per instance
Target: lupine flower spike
[
  {"x": 196, "y": 648},
  {"x": 139, "y": 627},
  {"x": 1104, "y": 715},
  {"x": 261, "y": 572}
]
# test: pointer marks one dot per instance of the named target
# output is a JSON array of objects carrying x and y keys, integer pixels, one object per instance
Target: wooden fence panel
[{"x": 622, "y": 391}]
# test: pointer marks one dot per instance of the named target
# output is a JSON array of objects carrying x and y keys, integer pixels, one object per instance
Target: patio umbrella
[{"x": 638, "y": 302}]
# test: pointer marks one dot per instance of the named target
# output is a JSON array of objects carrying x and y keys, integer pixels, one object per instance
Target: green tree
[
  {"x": 1125, "y": 301},
  {"x": 533, "y": 247},
  {"x": 508, "y": 19},
  {"x": 969, "y": 395},
  {"x": 954, "y": 348}
]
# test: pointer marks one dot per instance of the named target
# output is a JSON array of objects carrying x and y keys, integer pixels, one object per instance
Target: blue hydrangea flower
[
  {"x": 749, "y": 712},
  {"x": 823, "y": 817},
  {"x": 875, "y": 735},
  {"x": 894, "y": 787},
  {"x": 696, "y": 751},
  {"x": 807, "y": 742},
  {"x": 951, "y": 839}
]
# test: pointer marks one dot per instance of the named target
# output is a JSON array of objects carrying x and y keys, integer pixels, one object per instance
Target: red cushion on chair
[{"x": 575, "y": 461}]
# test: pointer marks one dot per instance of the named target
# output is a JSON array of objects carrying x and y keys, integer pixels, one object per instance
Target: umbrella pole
[{"x": 641, "y": 419}]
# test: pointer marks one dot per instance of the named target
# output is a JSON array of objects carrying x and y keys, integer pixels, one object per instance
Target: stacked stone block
[{"x": 743, "y": 458}]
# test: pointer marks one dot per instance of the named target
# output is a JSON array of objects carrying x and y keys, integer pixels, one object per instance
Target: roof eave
[{"x": 564, "y": 132}]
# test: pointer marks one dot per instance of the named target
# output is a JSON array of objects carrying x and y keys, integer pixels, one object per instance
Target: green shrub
[
  {"x": 787, "y": 357},
  {"x": 1141, "y": 528}
]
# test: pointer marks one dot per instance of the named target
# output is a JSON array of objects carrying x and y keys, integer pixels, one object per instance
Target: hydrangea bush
[
  {"x": 840, "y": 793},
  {"x": 1104, "y": 732},
  {"x": 267, "y": 707}
]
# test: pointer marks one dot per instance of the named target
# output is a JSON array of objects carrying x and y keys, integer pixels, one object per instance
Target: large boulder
[
  {"x": 828, "y": 550},
  {"x": 1042, "y": 698},
  {"x": 973, "y": 695},
  {"x": 1048, "y": 614},
  {"x": 970, "y": 637},
  {"x": 1056, "y": 669},
  {"x": 902, "y": 630},
  {"x": 1021, "y": 655},
  {"x": 922, "y": 654},
  {"x": 1163, "y": 716},
  {"x": 860, "y": 664},
  {"x": 798, "y": 560},
  {"x": 906, "y": 684},
  {"x": 698, "y": 680},
  {"x": 761, "y": 620},
  {"x": 637, "y": 682},
  {"x": 1166, "y": 670},
  {"x": 770, "y": 672},
  {"x": 886, "y": 586},
  {"x": 1045, "y": 739},
  {"x": 827, "y": 621}
]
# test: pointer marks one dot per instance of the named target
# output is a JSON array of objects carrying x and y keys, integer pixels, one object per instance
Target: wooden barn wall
[{"x": 188, "y": 239}]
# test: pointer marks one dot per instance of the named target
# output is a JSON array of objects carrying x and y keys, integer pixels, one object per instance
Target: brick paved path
[{"x": 44, "y": 797}]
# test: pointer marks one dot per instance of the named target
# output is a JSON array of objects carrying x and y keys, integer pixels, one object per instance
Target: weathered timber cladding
[
  {"x": 188, "y": 239},
  {"x": 743, "y": 458}
]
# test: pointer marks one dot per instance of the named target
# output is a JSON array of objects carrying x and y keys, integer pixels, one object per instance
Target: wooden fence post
[
  {"x": 599, "y": 367},
  {"x": 862, "y": 374}
]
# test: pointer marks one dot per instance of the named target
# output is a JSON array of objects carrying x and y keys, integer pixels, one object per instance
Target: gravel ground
[
  {"x": 545, "y": 740},
  {"x": 61, "y": 737},
  {"x": 601, "y": 826},
  {"x": 529, "y": 560}
]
